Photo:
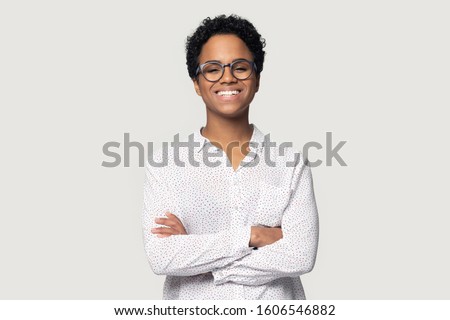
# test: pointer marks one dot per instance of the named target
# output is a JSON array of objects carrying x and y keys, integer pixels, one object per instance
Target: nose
[{"x": 227, "y": 75}]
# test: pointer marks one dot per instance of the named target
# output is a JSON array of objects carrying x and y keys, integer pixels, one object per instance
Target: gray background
[{"x": 77, "y": 74}]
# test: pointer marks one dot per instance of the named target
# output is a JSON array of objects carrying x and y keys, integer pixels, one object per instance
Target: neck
[{"x": 224, "y": 130}]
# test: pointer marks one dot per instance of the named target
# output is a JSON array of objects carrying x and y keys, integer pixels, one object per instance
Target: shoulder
[
  {"x": 171, "y": 155},
  {"x": 282, "y": 154}
]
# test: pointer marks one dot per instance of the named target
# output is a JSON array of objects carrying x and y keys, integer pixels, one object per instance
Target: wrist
[{"x": 254, "y": 237}]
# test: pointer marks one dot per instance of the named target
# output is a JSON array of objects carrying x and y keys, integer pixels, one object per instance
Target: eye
[
  {"x": 241, "y": 67},
  {"x": 212, "y": 68}
]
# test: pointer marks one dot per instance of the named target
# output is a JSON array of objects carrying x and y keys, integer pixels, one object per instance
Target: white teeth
[{"x": 228, "y": 93}]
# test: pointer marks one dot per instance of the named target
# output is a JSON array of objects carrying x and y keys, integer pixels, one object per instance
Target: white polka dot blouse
[{"x": 217, "y": 206}]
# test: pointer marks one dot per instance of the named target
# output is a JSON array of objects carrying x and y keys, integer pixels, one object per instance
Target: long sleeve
[
  {"x": 185, "y": 255},
  {"x": 295, "y": 253}
]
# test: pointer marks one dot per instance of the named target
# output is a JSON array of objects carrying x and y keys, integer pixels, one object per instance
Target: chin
[{"x": 230, "y": 111}]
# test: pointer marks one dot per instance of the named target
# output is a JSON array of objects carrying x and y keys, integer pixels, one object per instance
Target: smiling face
[{"x": 228, "y": 97}]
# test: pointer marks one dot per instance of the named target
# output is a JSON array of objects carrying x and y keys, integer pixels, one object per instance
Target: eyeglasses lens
[{"x": 241, "y": 70}]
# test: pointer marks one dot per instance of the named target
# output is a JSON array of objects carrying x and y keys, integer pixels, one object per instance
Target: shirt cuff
[{"x": 242, "y": 240}]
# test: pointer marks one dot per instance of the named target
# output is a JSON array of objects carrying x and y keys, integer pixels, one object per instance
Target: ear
[{"x": 197, "y": 87}]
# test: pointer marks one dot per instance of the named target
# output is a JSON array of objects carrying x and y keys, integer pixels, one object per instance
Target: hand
[
  {"x": 263, "y": 236},
  {"x": 173, "y": 226}
]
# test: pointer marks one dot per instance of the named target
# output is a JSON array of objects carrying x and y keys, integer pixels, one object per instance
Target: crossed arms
[{"x": 288, "y": 251}]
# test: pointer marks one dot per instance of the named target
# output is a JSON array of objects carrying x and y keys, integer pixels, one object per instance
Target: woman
[{"x": 243, "y": 225}]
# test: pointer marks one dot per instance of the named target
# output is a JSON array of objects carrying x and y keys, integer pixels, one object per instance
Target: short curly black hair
[{"x": 222, "y": 24}]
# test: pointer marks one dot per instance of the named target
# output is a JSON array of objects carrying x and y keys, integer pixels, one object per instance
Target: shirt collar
[{"x": 256, "y": 140}]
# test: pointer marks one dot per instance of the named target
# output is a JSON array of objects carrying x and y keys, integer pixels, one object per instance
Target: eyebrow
[{"x": 221, "y": 61}]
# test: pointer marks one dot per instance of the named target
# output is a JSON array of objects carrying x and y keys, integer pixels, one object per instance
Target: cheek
[
  {"x": 206, "y": 89},
  {"x": 252, "y": 89}
]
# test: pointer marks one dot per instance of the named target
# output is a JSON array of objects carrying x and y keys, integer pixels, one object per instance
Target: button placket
[{"x": 235, "y": 191}]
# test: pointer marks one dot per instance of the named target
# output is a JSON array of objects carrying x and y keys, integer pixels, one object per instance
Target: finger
[
  {"x": 166, "y": 222},
  {"x": 171, "y": 215},
  {"x": 159, "y": 230},
  {"x": 164, "y": 230},
  {"x": 180, "y": 227},
  {"x": 170, "y": 223},
  {"x": 163, "y": 235}
]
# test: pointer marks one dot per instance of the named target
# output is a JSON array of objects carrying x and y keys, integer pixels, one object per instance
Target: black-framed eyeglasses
[{"x": 213, "y": 71}]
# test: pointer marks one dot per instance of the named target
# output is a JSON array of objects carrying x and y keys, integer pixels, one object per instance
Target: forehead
[{"x": 224, "y": 48}]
